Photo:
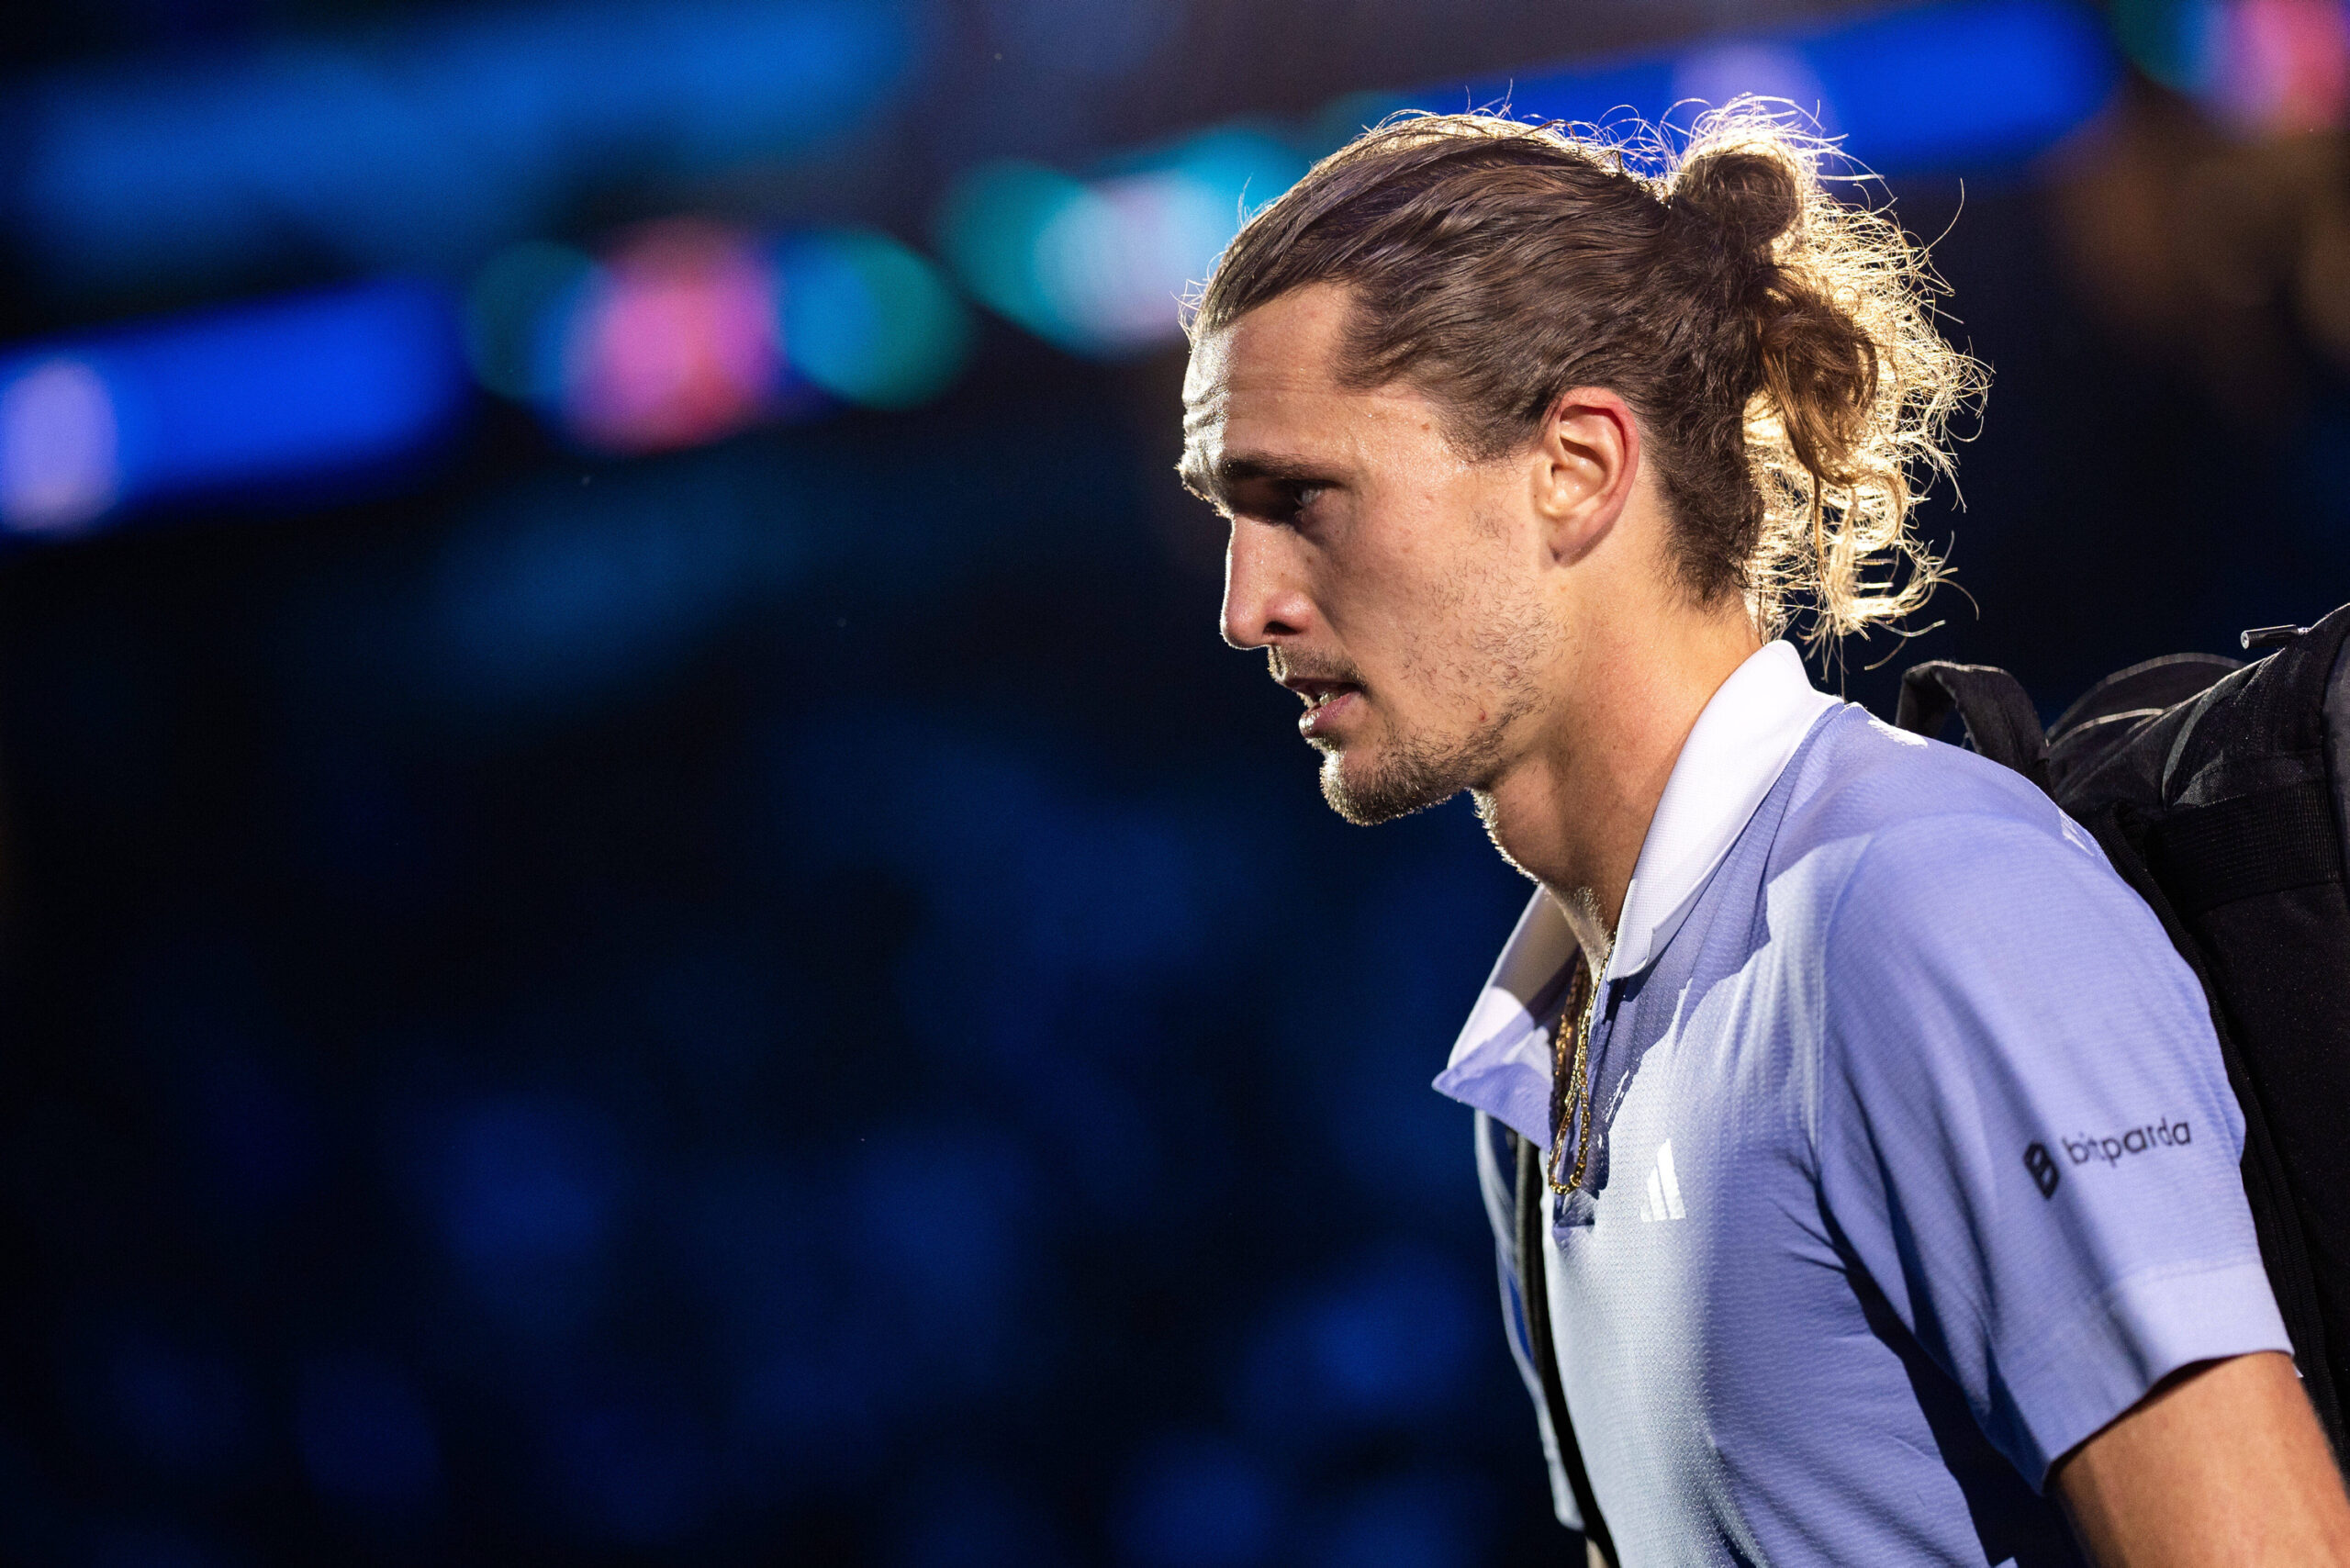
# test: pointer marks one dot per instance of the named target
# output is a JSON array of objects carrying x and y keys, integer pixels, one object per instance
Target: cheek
[
  {"x": 1480, "y": 646},
  {"x": 1437, "y": 595}
]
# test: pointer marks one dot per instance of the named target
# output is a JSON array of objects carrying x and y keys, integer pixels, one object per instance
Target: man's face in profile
[{"x": 1394, "y": 583}]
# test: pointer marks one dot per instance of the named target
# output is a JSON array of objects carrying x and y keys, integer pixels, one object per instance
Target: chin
[{"x": 1368, "y": 791}]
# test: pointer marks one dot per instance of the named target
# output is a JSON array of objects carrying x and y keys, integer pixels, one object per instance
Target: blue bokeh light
[
  {"x": 429, "y": 150},
  {"x": 525, "y": 1188},
  {"x": 346, "y": 381},
  {"x": 1098, "y": 265},
  {"x": 1386, "y": 1342},
  {"x": 1983, "y": 82},
  {"x": 1102, "y": 266},
  {"x": 869, "y": 320},
  {"x": 643, "y": 358}
]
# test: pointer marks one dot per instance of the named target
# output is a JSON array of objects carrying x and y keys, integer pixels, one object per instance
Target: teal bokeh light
[
  {"x": 2173, "y": 41},
  {"x": 989, "y": 229},
  {"x": 1101, "y": 266},
  {"x": 515, "y": 314},
  {"x": 869, "y": 322}
]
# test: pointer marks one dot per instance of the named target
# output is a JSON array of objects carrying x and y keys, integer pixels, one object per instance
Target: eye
[{"x": 1300, "y": 497}]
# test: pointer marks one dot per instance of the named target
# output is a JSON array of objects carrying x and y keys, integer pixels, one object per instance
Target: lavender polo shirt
[{"x": 1914, "y": 1160}]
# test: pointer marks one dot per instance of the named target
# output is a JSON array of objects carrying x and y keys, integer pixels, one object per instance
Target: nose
[{"x": 1264, "y": 601}]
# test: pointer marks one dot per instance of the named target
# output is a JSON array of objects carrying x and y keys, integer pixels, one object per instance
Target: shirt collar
[
  {"x": 1739, "y": 746},
  {"x": 1742, "y": 742}
]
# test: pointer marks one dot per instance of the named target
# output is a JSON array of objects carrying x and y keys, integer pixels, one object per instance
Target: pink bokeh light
[
  {"x": 2283, "y": 66},
  {"x": 674, "y": 341}
]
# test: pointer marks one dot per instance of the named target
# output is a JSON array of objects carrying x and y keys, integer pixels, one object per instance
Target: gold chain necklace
[{"x": 1575, "y": 1023}]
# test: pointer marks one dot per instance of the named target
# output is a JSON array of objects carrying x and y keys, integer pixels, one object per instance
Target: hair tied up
[
  {"x": 1747, "y": 199},
  {"x": 1817, "y": 365}
]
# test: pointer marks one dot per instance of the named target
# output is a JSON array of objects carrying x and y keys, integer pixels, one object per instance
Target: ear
[{"x": 1585, "y": 457}]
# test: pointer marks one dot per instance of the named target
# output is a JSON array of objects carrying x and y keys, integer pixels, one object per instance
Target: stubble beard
[
  {"x": 1413, "y": 774},
  {"x": 1511, "y": 638}
]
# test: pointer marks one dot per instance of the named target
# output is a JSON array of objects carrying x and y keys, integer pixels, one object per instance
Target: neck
[{"x": 1572, "y": 809}]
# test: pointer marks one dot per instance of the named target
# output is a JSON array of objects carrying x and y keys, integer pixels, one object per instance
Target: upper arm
[
  {"x": 2026, "y": 1135},
  {"x": 2222, "y": 1464}
]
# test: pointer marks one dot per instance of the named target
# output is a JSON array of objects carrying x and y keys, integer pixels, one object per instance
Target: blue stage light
[
  {"x": 432, "y": 149},
  {"x": 1984, "y": 84},
  {"x": 310, "y": 387},
  {"x": 1097, "y": 265}
]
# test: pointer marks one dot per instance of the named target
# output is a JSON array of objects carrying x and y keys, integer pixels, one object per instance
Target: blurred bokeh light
[
  {"x": 1102, "y": 266},
  {"x": 686, "y": 330},
  {"x": 1987, "y": 83},
  {"x": 2263, "y": 66},
  {"x": 869, "y": 320},
  {"x": 673, "y": 341},
  {"x": 427, "y": 145},
  {"x": 341, "y": 385}
]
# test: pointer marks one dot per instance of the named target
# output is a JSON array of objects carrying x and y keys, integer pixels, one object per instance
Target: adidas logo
[{"x": 1663, "y": 1200}]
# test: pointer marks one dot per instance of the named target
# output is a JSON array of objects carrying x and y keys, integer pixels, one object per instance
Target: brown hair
[{"x": 1777, "y": 345}]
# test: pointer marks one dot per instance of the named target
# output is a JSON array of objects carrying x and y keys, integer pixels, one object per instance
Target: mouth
[{"x": 1325, "y": 702}]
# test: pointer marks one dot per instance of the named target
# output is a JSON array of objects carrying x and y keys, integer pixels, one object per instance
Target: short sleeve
[{"x": 2025, "y": 1130}]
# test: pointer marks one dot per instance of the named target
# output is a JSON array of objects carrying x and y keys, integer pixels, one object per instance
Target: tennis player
[{"x": 1891, "y": 1204}]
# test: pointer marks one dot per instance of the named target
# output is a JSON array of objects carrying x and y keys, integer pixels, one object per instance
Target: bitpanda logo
[
  {"x": 2111, "y": 1148},
  {"x": 2044, "y": 1173},
  {"x": 2114, "y": 1147}
]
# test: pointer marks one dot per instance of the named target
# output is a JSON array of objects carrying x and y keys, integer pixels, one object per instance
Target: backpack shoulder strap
[
  {"x": 2000, "y": 721},
  {"x": 1534, "y": 1299},
  {"x": 2145, "y": 687}
]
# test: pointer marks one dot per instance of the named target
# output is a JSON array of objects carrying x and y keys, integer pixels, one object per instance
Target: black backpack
[{"x": 2220, "y": 791}]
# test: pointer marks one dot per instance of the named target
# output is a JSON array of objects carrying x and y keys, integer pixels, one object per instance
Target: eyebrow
[{"x": 1217, "y": 482}]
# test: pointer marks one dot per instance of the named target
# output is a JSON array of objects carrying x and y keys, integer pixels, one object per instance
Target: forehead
[
  {"x": 1262, "y": 393},
  {"x": 1288, "y": 341},
  {"x": 1275, "y": 362}
]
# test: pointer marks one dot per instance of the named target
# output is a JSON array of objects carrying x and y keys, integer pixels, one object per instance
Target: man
[{"x": 1893, "y": 1199}]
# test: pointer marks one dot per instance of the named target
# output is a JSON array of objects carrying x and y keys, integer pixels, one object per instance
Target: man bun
[
  {"x": 1816, "y": 363},
  {"x": 1852, "y": 385},
  {"x": 1746, "y": 198}
]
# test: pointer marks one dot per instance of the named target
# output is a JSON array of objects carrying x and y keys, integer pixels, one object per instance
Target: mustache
[{"x": 1285, "y": 664}]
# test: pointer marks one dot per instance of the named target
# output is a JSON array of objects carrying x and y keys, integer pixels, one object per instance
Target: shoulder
[
  {"x": 1970, "y": 943},
  {"x": 1945, "y": 851},
  {"x": 1863, "y": 778}
]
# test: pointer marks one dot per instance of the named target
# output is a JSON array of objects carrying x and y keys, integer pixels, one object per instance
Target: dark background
[{"x": 789, "y": 1002}]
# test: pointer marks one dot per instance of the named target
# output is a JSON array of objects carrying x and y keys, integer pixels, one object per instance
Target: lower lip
[{"x": 1315, "y": 720}]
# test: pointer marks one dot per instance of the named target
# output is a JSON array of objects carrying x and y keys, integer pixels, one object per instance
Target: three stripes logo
[{"x": 1664, "y": 1197}]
